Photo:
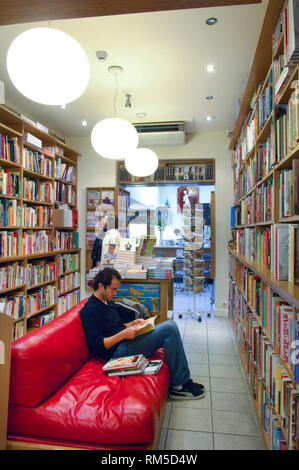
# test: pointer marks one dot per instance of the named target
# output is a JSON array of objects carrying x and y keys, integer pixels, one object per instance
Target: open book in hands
[{"x": 147, "y": 326}]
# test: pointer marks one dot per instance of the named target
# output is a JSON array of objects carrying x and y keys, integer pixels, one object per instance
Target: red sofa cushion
[
  {"x": 92, "y": 407},
  {"x": 43, "y": 360}
]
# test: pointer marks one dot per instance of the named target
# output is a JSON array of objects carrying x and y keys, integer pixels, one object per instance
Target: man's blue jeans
[{"x": 165, "y": 335}]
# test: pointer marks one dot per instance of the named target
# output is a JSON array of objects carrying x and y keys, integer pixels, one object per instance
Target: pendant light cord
[{"x": 115, "y": 93}]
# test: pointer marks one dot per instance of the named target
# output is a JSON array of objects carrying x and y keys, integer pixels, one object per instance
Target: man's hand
[
  {"x": 138, "y": 321},
  {"x": 130, "y": 332}
]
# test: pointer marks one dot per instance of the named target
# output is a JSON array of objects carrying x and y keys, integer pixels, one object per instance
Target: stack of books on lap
[{"x": 132, "y": 365}]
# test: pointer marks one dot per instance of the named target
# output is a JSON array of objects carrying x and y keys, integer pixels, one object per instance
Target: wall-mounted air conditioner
[{"x": 159, "y": 134}]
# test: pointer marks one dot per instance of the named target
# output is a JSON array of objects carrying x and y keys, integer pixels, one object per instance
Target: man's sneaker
[{"x": 189, "y": 391}]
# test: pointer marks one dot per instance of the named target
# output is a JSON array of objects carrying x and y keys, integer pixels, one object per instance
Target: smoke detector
[{"x": 101, "y": 55}]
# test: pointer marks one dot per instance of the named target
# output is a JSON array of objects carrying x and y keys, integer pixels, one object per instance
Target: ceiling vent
[{"x": 159, "y": 134}]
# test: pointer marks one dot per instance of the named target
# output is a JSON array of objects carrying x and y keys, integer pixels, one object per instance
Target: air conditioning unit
[{"x": 159, "y": 134}]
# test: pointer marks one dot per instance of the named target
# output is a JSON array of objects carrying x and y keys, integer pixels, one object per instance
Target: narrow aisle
[{"x": 225, "y": 417}]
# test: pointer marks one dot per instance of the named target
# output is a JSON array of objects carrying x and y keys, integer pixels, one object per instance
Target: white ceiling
[{"x": 164, "y": 55}]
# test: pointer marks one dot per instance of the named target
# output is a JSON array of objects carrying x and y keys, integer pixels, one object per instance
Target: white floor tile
[
  {"x": 235, "y": 442},
  {"x": 228, "y": 385},
  {"x": 231, "y": 402},
  {"x": 165, "y": 422},
  {"x": 189, "y": 440},
  {"x": 196, "y": 347},
  {"x": 199, "y": 369},
  {"x": 226, "y": 360},
  {"x": 230, "y": 372},
  {"x": 190, "y": 419},
  {"x": 232, "y": 422},
  {"x": 200, "y": 358}
]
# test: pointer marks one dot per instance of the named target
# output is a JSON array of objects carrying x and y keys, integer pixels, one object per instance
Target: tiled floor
[{"x": 225, "y": 417}]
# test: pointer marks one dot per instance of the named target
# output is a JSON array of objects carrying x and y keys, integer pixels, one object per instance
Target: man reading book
[{"x": 111, "y": 332}]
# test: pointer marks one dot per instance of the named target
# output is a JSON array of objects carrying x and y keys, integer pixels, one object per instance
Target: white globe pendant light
[
  {"x": 48, "y": 66},
  {"x": 114, "y": 138},
  {"x": 141, "y": 162}
]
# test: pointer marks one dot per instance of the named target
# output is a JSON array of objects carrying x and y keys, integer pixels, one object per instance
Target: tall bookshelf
[
  {"x": 40, "y": 255},
  {"x": 264, "y": 301},
  {"x": 101, "y": 201}
]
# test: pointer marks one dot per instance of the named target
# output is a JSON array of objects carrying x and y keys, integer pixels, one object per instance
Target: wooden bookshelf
[
  {"x": 173, "y": 171},
  {"x": 14, "y": 127},
  {"x": 260, "y": 202},
  {"x": 118, "y": 205},
  {"x": 5, "y": 347}
]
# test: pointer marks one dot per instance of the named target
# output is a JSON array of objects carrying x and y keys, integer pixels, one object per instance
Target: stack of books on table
[
  {"x": 132, "y": 365},
  {"x": 135, "y": 271},
  {"x": 31, "y": 139},
  {"x": 162, "y": 268},
  {"x": 125, "y": 257}
]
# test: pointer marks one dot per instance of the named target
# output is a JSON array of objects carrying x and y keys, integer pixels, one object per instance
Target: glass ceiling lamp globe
[
  {"x": 141, "y": 162},
  {"x": 61, "y": 61},
  {"x": 114, "y": 138}
]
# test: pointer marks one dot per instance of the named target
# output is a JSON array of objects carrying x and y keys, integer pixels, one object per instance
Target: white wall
[{"x": 97, "y": 171}]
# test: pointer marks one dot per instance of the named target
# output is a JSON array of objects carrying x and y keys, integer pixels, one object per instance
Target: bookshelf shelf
[
  {"x": 290, "y": 292},
  {"x": 264, "y": 133},
  {"x": 286, "y": 92},
  {"x": 9, "y": 164},
  {"x": 37, "y": 175},
  {"x": 9, "y": 131},
  {"x": 41, "y": 284},
  {"x": 5, "y": 291},
  {"x": 68, "y": 291},
  {"x": 29, "y": 315},
  {"x": 22, "y": 132}
]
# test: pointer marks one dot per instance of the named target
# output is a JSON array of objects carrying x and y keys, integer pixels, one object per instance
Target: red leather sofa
[{"x": 59, "y": 395}]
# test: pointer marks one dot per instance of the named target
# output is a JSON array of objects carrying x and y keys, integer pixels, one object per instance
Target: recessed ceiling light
[
  {"x": 210, "y": 118},
  {"x": 211, "y": 21},
  {"x": 84, "y": 123},
  {"x": 211, "y": 68},
  {"x": 209, "y": 97},
  {"x": 141, "y": 115}
]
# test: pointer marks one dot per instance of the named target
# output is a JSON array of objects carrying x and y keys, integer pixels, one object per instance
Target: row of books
[
  {"x": 270, "y": 382},
  {"x": 278, "y": 319},
  {"x": 68, "y": 282},
  {"x": 287, "y": 205},
  {"x": 256, "y": 169},
  {"x": 68, "y": 262},
  {"x": 64, "y": 171},
  {"x": 10, "y": 183},
  {"x": 38, "y": 241},
  {"x": 66, "y": 240},
  {"x": 264, "y": 105},
  {"x": 10, "y": 149},
  {"x": 10, "y": 243},
  {"x": 37, "y": 216},
  {"x": 68, "y": 301},
  {"x": 41, "y": 271},
  {"x": 275, "y": 248},
  {"x": 36, "y": 190},
  {"x": 38, "y": 162},
  {"x": 256, "y": 207},
  {"x": 18, "y": 330},
  {"x": 64, "y": 193},
  {"x": 12, "y": 275},
  {"x": 287, "y": 126},
  {"x": 10, "y": 213},
  {"x": 40, "y": 299},
  {"x": 40, "y": 320},
  {"x": 13, "y": 306}
]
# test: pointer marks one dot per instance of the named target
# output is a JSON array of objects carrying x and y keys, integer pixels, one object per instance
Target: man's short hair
[{"x": 105, "y": 277}]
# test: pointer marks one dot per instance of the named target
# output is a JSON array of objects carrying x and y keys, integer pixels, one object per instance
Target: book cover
[
  {"x": 126, "y": 362},
  {"x": 128, "y": 245},
  {"x": 153, "y": 367},
  {"x": 146, "y": 246},
  {"x": 126, "y": 372}
]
